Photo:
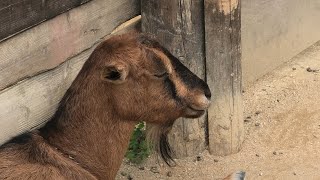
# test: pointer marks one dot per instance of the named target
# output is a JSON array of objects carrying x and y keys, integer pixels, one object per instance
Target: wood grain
[
  {"x": 178, "y": 25},
  {"x": 18, "y": 15},
  {"x": 32, "y": 102},
  {"x": 52, "y": 42},
  {"x": 223, "y": 67}
]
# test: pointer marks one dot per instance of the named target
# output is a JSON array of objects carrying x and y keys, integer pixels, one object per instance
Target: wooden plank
[
  {"x": 178, "y": 25},
  {"x": 18, "y": 15},
  {"x": 52, "y": 42},
  {"x": 223, "y": 65},
  {"x": 30, "y": 103}
]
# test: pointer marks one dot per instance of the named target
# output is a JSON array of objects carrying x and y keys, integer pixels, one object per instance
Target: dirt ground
[{"x": 282, "y": 122}]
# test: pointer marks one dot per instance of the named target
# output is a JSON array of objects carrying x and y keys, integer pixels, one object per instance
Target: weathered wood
[
  {"x": 30, "y": 103},
  {"x": 18, "y": 15},
  {"x": 52, "y": 42},
  {"x": 223, "y": 67},
  {"x": 178, "y": 25}
]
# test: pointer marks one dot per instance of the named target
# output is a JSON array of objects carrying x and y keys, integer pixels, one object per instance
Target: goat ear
[{"x": 115, "y": 73}]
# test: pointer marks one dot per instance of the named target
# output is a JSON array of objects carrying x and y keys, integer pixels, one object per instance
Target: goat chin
[{"x": 157, "y": 137}]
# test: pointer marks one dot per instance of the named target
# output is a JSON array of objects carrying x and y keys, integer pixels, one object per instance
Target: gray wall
[{"x": 273, "y": 31}]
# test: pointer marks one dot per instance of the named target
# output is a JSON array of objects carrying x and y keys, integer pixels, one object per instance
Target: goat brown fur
[{"x": 127, "y": 79}]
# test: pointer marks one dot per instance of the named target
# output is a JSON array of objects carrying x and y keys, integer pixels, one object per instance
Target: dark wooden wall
[{"x": 18, "y": 15}]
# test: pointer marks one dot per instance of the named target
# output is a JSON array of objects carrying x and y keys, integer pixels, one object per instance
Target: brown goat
[{"x": 127, "y": 79}]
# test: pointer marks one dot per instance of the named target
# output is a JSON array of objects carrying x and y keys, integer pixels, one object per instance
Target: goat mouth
[{"x": 193, "y": 113}]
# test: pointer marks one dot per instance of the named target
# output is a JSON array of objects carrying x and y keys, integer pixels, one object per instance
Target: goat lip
[
  {"x": 197, "y": 108},
  {"x": 193, "y": 113}
]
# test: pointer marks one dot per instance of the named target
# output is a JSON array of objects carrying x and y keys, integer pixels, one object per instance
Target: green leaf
[{"x": 138, "y": 149}]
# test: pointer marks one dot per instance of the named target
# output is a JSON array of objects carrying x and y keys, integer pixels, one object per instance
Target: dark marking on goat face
[
  {"x": 188, "y": 78},
  {"x": 171, "y": 88}
]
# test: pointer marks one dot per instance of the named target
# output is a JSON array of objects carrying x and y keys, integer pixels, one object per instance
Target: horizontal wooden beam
[
  {"x": 52, "y": 42},
  {"x": 18, "y": 15},
  {"x": 32, "y": 102}
]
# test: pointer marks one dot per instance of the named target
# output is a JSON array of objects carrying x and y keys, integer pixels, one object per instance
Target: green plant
[{"x": 138, "y": 149}]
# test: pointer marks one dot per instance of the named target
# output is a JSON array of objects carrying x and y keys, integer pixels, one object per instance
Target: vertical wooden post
[
  {"x": 223, "y": 67},
  {"x": 178, "y": 25}
]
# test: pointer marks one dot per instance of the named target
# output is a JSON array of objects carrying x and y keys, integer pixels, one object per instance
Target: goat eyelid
[{"x": 163, "y": 75}]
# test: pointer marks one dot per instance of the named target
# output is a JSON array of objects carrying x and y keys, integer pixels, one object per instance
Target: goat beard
[{"x": 157, "y": 135}]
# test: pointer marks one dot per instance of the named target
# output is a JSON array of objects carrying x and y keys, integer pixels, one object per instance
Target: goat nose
[{"x": 207, "y": 93}]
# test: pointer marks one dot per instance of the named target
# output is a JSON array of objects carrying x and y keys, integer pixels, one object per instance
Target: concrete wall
[{"x": 273, "y": 31}]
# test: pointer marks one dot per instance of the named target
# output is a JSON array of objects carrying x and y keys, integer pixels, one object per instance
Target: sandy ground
[{"x": 282, "y": 122}]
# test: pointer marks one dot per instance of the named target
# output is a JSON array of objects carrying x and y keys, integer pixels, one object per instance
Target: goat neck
[{"x": 86, "y": 128}]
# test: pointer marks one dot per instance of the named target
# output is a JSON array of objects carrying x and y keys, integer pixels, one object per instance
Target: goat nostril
[{"x": 207, "y": 93}]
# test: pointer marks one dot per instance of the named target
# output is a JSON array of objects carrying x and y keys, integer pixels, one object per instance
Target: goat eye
[
  {"x": 113, "y": 75},
  {"x": 164, "y": 75}
]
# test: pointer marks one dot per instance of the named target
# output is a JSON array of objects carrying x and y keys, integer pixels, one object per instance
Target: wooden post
[
  {"x": 178, "y": 25},
  {"x": 223, "y": 68}
]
